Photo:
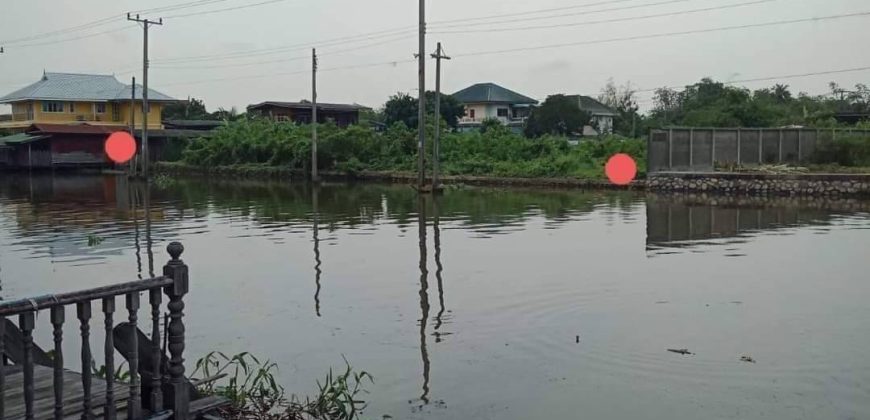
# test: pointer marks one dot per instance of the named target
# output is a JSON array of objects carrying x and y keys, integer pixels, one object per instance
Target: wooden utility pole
[
  {"x": 145, "y": 108},
  {"x": 436, "y": 145},
  {"x": 133, "y": 123},
  {"x": 314, "y": 115},
  {"x": 421, "y": 111}
]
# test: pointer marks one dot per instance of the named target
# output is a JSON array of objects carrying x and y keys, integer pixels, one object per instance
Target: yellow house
[{"x": 67, "y": 98}]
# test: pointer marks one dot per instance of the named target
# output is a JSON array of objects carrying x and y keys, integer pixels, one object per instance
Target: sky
[{"x": 259, "y": 50}]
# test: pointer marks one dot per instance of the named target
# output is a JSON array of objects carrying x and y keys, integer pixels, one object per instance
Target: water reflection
[
  {"x": 424, "y": 294},
  {"x": 315, "y": 191},
  {"x": 439, "y": 268},
  {"x": 689, "y": 222}
]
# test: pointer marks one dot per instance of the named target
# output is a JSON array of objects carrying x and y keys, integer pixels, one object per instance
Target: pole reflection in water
[
  {"x": 439, "y": 268},
  {"x": 317, "y": 271},
  {"x": 148, "y": 242},
  {"x": 134, "y": 199},
  {"x": 424, "y": 295}
]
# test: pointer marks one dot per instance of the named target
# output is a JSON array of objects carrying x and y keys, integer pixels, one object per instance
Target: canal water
[{"x": 484, "y": 303}]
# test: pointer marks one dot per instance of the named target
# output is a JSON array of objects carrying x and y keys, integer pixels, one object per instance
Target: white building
[{"x": 490, "y": 101}]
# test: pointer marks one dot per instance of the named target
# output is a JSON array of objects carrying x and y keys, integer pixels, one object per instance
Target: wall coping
[{"x": 762, "y": 176}]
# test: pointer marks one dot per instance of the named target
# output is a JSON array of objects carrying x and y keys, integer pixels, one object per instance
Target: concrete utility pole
[
  {"x": 145, "y": 108},
  {"x": 314, "y": 115},
  {"x": 133, "y": 123},
  {"x": 421, "y": 111},
  {"x": 436, "y": 146}
]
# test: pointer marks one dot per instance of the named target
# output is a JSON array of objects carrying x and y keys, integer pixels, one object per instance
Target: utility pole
[
  {"x": 145, "y": 108},
  {"x": 421, "y": 111},
  {"x": 436, "y": 145},
  {"x": 133, "y": 123},
  {"x": 314, "y": 115}
]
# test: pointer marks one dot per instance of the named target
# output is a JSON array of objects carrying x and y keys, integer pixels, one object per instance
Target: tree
[
  {"x": 558, "y": 115},
  {"x": 622, "y": 100},
  {"x": 403, "y": 107},
  {"x": 192, "y": 109}
]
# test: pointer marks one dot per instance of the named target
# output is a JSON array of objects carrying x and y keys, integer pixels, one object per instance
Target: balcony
[{"x": 504, "y": 120}]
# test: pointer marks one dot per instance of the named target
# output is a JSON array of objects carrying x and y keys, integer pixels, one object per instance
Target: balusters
[
  {"x": 57, "y": 319},
  {"x": 27, "y": 321},
  {"x": 109, "y": 411},
  {"x": 134, "y": 405},
  {"x": 83, "y": 310},
  {"x": 2, "y": 367},
  {"x": 178, "y": 392},
  {"x": 155, "y": 297}
]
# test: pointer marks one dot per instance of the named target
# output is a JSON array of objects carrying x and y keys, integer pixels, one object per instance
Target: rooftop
[
  {"x": 80, "y": 87},
  {"x": 307, "y": 105},
  {"x": 491, "y": 93},
  {"x": 593, "y": 106}
]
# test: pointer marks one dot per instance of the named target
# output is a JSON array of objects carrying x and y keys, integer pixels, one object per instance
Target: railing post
[
  {"x": 109, "y": 352},
  {"x": 176, "y": 398},
  {"x": 27, "y": 322},
  {"x": 134, "y": 405},
  {"x": 2, "y": 367},
  {"x": 155, "y": 296},
  {"x": 57, "y": 320},
  {"x": 83, "y": 310}
]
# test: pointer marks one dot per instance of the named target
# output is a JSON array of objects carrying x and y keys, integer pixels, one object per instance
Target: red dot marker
[
  {"x": 621, "y": 169},
  {"x": 120, "y": 146}
]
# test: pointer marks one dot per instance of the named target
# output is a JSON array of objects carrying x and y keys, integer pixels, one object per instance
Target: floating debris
[
  {"x": 578, "y": 339},
  {"x": 747, "y": 359},
  {"x": 681, "y": 351},
  {"x": 662, "y": 302}
]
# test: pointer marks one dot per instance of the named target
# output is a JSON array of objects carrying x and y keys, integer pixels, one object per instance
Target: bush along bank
[{"x": 496, "y": 152}]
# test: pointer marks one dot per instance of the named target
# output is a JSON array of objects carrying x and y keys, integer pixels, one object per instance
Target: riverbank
[
  {"x": 266, "y": 172},
  {"x": 713, "y": 183}
]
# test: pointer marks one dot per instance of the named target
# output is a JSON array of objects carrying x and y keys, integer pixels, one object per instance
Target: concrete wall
[{"x": 701, "y": 149}]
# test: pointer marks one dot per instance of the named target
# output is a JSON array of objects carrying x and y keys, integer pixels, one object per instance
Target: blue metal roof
[{"x": 80, "y": 87}]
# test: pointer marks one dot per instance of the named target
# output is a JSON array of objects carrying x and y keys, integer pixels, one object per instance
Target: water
[{"x": 471, "y": 306}]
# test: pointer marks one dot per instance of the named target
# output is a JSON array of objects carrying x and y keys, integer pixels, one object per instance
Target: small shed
[{"x": 342, "y": 115}]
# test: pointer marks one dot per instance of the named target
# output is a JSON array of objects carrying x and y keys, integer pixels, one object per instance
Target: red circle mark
[
  {"x": 120, "y": 146},
  {"x": 621, "y": 169}
]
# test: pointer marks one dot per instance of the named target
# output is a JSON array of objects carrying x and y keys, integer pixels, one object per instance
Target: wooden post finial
[{"x": 175, "y": 249}]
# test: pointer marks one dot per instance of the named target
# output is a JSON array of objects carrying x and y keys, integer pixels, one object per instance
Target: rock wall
[{"x": 833, "y": 185}]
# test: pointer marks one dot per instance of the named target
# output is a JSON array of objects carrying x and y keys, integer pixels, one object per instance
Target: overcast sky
[{"x": 178, "y": 68}]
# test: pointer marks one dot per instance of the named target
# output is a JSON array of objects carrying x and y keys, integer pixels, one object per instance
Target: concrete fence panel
[{"x": 701, "y": 149}]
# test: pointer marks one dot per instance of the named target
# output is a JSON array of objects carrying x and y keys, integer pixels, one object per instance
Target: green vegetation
[
  {"x": 254, "y": 393},
  {"x": 495, "y": 152},
  {"x": 94, "y": 240},
  {"x": 714, "y": 104},
  {"x": 403, "y": 108},
  {"x": 848, "y": 151},
  {"x": 559, "y": 115}
]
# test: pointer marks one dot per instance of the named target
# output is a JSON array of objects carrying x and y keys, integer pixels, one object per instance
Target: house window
[
  {"x": 101, "y": 108},
  {"x": 116, "y": 112},
  {"x": 50, "y": 106},
  {"x": 502, "y": 112},
  {"x": 471, "y": 113}
]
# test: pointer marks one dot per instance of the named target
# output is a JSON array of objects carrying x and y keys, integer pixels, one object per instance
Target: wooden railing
[{"x": 169, "y": 390}]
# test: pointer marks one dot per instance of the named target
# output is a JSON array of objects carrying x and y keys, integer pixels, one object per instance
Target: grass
[
  {"x": 254, "y": 393},
  {"x": 266, "y": 147}
]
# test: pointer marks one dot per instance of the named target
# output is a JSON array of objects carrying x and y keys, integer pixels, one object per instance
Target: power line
[
  {"x": 454, "y": 24},
  {"x": 769, "y": 78},
  {"x": 663, "y": 35},
  {"x": 595, "y": 22},
  {"x": 284, "y": 60},
  {"x": 60, "y": 41},
  {"x": 285, "y": 48},
  {"x": 208, "y": 12},
  {"x": 436, "y": 22}
]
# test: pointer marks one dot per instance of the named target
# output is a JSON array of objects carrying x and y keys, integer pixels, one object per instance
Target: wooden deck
[{"x": 73, "y": 394}]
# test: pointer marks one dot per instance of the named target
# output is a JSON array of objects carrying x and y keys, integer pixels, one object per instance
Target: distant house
[
  {"x": 63, "y": 120},
  {"x": 602, "y": 115},
  {"x": 68, "y": 98},
  {"x": 300, "y": 112},
  {"x": 489, "y": 100}
]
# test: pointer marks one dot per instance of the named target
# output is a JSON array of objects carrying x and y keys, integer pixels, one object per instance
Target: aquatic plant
[{"x": 254, "y": 393}]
